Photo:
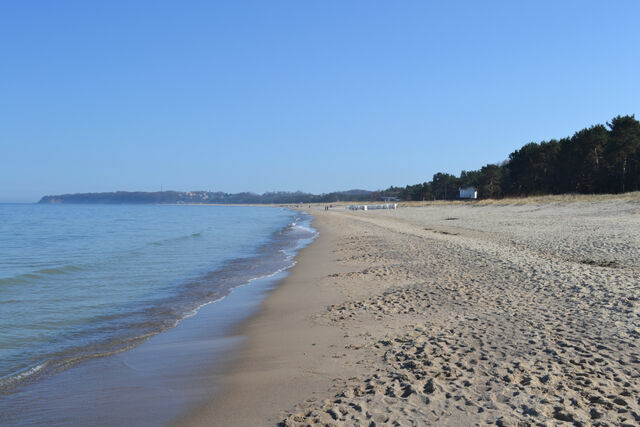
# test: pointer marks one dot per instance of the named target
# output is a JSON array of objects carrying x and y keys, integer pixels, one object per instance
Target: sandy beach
[{"x": 511, "y": 313}]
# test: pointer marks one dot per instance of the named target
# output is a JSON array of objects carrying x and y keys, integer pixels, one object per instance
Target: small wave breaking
[
  {"x": 39, "y": 274},
  {"x": 270, "y": 259}
]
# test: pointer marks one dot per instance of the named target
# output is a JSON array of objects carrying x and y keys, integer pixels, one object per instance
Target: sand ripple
[{"x": 507, "y": 315}]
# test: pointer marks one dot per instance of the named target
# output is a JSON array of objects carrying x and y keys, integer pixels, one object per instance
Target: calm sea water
[{"x": 80, "y": 281}]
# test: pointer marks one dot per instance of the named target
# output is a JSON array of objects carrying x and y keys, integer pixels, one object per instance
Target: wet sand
[
  {"x": 517, "y": 313},
  {"x": 148, "y": 385}
]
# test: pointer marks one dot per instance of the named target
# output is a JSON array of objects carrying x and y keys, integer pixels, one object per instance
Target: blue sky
[{"x": 296, "y": 95}]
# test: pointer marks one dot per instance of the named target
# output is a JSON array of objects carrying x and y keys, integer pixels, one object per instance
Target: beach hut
[{"x": 468, "y": 193}]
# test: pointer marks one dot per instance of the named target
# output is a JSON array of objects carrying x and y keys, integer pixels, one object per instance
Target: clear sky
[{"x": 315, "y": 96}]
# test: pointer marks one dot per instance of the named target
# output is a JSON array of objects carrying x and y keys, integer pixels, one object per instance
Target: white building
[{"x": 468, "y": 193}]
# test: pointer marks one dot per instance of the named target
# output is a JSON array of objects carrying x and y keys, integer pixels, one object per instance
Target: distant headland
[{"x": 207, "y": 197}]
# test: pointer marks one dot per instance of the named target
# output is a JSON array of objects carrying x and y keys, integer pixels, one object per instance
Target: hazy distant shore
[
  {"x": 520, "y": 311},
  {"x": 205, "y": 197}
]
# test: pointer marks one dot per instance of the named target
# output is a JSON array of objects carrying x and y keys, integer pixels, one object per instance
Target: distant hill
[
  {"x": 355, "y": 192},
  {"x": 203, "y": 197}
]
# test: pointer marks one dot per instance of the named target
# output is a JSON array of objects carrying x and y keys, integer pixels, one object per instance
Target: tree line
[{"x": 598, "y": 159}]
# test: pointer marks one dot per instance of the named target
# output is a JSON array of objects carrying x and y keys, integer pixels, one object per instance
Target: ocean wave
[
  {"x": 66, "y": 359},
  {"x": 306, "y": 228},
  {"x": 19, "y": 279},
  {"x": 8, "y": 382},
  {"x": 179, "y": 238},
  {"x": 26, "y": 278},
  {"x": 65, "y": 269},
  {"x": 140, "y": 323}
]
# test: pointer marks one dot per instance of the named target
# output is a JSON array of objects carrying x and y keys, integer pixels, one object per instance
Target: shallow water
[{"x": 80, "y": 281}]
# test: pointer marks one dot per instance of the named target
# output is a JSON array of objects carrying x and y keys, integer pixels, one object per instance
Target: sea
[{"x": 101, "y": 302}]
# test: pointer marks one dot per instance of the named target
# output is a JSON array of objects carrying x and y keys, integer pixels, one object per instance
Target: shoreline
[
  {"x": 448, "y": 315},
  {"x": 165, "y": 373},
  {"x": 283, "y": 355}
]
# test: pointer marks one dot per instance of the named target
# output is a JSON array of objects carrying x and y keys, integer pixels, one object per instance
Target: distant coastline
[
  {"x": 207, "y": 197},
  {"x": 596, "y": 160}
]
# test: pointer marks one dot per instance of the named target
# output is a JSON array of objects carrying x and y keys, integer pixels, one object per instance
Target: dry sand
[{"x": 513, "y": 314}]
